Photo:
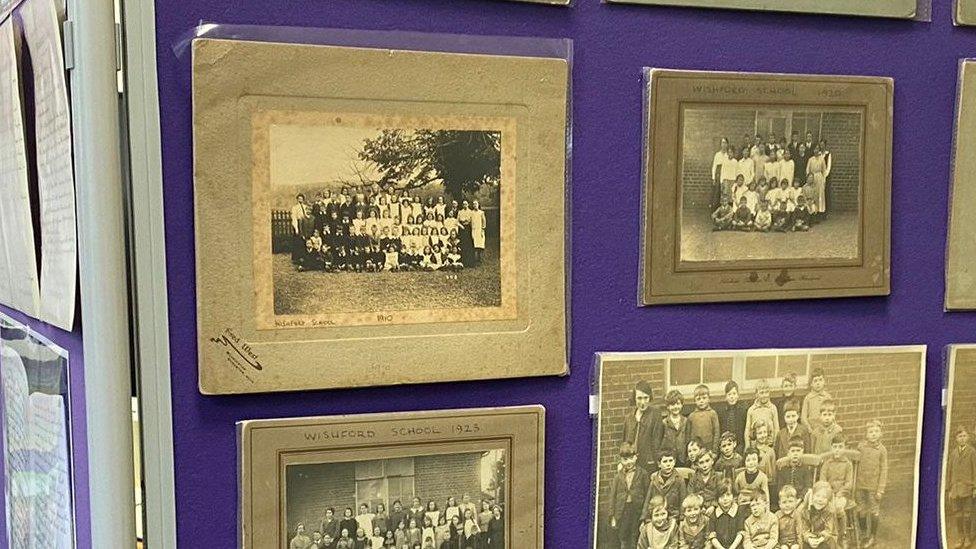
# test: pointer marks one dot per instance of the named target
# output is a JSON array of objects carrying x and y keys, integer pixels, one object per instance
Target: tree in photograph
[
  {"x": 462, "y": 160},
  {"x": 496, "y": 483}
]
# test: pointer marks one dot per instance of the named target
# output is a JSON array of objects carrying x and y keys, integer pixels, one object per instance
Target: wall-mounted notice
[
  {"x": 18, "y": 262},
  {"x": 36, "y": 454},
  {"x": 54, "y": 163}
]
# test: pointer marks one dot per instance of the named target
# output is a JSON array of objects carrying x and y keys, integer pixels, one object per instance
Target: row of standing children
[
  {"x": 458, "y": 526},
  {"x": 680, "y": 454}
]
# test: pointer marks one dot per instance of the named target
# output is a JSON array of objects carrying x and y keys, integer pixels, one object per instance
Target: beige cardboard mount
[
  {"x": 900, "y": 9},
  {"x": 269, "y": 447},
  {"x": 961, "y": 249},
  {"x": 240, "y": 87}
]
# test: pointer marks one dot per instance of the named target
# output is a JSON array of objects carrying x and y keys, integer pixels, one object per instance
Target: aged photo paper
[
  {"x": 55, "y": 166},
  {"x": 693, "y": 445},
  {"x": 458, "y": 478},
  {"x": 346, "y": 237},
  {"x": 765, "y": 186},
  {"x": 337, "y": 243},
  {"x": 961, "y": 249},
  {"x": 958, "y": 488},
  {"x": 18, "y": 261},
  {"x": 901, "y": 9}
]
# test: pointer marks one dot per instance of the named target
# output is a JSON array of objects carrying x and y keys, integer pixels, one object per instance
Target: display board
[{"x": 612, "y": 43}]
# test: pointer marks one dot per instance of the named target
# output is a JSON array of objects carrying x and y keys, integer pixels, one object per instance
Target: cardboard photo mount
[
  {"x": 665, "y": 278},
  {"x": 236, "y": 80},
  {"x": 269, "y": 447},
  {"x": 960, "y": 275},
  {"x": 899, "y": 9}
]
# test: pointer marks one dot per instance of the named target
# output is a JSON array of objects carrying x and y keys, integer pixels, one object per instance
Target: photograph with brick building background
[
  {"x": 959, "y": 466},
  {"x": 475, "y": 477},
  {"x": 866, "y": 384},
  {"x": 819, "y": 152}
]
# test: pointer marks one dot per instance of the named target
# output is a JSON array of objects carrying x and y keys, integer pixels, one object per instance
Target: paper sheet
[
  {"x": 42, "y": 28},
  {"x": 37, "y": 462},
  {"x": 18, "y": 262}
]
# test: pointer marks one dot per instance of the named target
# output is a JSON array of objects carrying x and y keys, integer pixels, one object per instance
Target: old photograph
[
  {"x": 387, "y": 220},
  {"x": 959, "y": 450},
  {"x": 758, "y": 448},
  {"x": 779, "y": 183},
  {"x": 451, "y": 479},
  {"x": 364, "y": 212},
  {"x": 765, "y": 186},
  {"x": 440, "y": 501}
]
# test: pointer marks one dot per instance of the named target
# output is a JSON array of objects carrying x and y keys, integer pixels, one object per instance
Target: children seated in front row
[
  {"x": 659, "y": 530},
  {"x": 727, "y": 519},
  {"x": 761, "y": 529}
]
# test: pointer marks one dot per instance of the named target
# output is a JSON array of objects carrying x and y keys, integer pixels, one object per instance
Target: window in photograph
[{"x": 685, "y": 373}]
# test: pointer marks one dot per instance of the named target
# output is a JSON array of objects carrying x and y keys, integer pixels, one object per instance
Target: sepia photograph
[
  {"x": 387, "y": 220},
  {"x": 758, "y": 448},
  {"x": 452, "y": 479},
  {"x": 440, "y": 501},
  {"x": 765, "y": 186},
  {"x": 959, "y": 450},
  {"x": 779, "y": 183},
  {"x": 363, "y": 207}
]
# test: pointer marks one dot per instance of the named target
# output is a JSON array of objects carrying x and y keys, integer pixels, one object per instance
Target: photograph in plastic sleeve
[
  {"x": 900, "y": 9},
  {"x": 429, "y": 479},
  {"x": 364, "y": 206},
  {"x": 36, "y": 422},
  {"x": 961, "y": 248},
  {"x": 779, "y": 190},
  {"x": 758, "y": 448},
  {"x": 959, "y": 450}
]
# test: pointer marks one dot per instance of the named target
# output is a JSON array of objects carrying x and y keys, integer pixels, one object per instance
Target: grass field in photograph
[{"x": 317, "y": 292}]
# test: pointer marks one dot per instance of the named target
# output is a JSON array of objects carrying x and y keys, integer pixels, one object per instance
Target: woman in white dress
[
  {"x": 721, "y": 164},
  {"x": 817, "y": 175},
  {"x": 478, "y": 222}
]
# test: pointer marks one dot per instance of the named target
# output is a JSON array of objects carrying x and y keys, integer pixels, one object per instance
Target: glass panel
[
  {"x": 400, "y": 488},
  {"x": 685, "y": 371},
  {"x": 759, "y": 367},
  {"x": 796, "y": 364},
  {"x": 402, "y": 467},
  {"x": 371, "y": 492},
  {"x": 716, "y": 369},
  {"x": 369, "y": 469}
]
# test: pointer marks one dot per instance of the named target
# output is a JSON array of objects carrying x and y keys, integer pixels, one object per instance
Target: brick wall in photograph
[
  {"x": 963, "y": 413},
  {"x": 865, "y": 386},
  {"x": 703, "y": 132},
  {"x": 314, "y": 488},
  {"x": 440, "y": 477}
]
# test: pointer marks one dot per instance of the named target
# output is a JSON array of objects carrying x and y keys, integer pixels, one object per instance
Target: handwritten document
[
  {"x": 37, "y": 461},
  {"x": 59, "y": 242},
  {"x": 18, "y": 262}
]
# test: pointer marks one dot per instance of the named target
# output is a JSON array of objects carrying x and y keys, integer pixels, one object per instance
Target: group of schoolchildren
[
  {"x": 363, "y": 232},
  {"x": 771, "y": 475},
  {"x": 458, "y": 526},
  {"x": 770, "y": 185}
]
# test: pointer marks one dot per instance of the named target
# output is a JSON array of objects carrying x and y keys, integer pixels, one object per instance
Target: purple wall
[{"x": 612, "y": 43}]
